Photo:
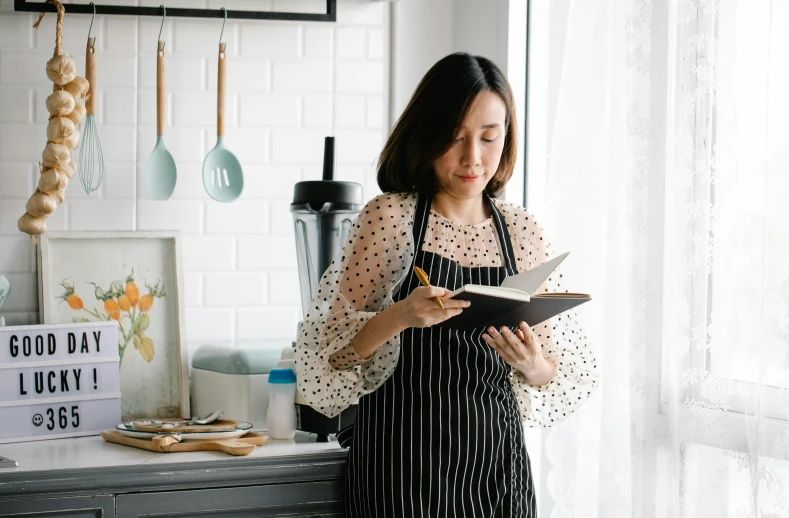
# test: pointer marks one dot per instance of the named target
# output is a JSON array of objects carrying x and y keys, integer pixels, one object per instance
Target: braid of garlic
[{"x": 66, "y": 114}]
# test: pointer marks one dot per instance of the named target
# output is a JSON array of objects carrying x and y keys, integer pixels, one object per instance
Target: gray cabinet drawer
[
  {"x": 76, "y": 507},
  {"x": 302, "y": 499}
]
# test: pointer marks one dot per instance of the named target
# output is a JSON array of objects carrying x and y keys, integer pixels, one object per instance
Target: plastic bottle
[
  {"x": 281, "y": 414},
  {"x": 287, "y": 359}
]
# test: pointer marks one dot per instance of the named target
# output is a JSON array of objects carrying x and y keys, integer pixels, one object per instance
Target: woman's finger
[
  {"x": 500, "y": 344},
  {"x": 516, "y": 345},
  {"x": 429, "y": 292},
  {"x": 452, "y": 303},
  {"x": 529, "y": 338},
  {"x": 495, "y": 346}
]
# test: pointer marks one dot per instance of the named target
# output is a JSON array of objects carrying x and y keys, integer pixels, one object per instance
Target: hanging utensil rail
[{"x": 329, "y": 16}]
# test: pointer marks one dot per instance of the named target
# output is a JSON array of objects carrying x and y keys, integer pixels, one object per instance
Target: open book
[{"x": 514, "y": 301}]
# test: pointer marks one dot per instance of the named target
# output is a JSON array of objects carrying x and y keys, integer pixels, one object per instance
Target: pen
[{"x": 422, "y": 276}]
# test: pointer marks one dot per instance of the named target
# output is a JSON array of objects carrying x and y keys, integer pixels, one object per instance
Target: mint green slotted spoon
[
  {"x": 160, "y": 172},
  {"x": 223, "y": 178}
]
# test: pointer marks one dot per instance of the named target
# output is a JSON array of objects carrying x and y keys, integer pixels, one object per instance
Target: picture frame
[{"x": 135, "y": 278}]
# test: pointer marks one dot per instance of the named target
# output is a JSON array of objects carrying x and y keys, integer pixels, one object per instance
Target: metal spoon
[{"x": 210, "y": 418}]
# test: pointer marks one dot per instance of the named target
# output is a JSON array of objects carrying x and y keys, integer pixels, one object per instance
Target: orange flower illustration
[{"x": 121, "y": 302}]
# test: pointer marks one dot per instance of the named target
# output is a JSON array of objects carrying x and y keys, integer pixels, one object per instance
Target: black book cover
[{"x": 486, "y": 310}]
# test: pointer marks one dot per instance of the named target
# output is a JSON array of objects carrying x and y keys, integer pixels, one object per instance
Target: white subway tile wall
[{"x": 289, "y": 84}]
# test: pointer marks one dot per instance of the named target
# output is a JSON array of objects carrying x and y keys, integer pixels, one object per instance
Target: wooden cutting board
[
  {"x": 222, "y": 425},
  {"x": 240, "y": 446}
]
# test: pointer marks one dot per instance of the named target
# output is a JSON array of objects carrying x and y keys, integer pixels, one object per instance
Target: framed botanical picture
[{"x": 136, "y": 279}]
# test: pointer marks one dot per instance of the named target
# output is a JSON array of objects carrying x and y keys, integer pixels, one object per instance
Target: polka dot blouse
[{"x": 365, "y": 280}]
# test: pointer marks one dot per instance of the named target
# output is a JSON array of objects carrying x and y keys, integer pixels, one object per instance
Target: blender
[{"x": 323, "y": 214}]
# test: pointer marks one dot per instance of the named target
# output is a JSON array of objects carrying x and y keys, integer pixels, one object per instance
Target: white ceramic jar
[
  {"x": 287, "y": 358},
  {"x": 281, "y": 415}
]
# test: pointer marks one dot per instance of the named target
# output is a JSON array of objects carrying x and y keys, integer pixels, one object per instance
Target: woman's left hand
[{"x": 522, "y": 351}]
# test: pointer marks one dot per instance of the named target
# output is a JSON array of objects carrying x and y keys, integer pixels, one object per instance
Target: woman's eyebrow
[{"x": 486, "y": 126}]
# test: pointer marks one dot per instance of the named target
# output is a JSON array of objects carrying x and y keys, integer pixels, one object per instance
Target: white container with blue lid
[{"x": 234, "y": 380}]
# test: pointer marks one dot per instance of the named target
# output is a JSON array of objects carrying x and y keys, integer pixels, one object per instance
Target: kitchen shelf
[{"x": 329, "y": 16}]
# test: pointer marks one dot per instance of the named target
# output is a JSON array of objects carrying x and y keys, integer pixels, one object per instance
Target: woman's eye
[{"x": 490, "y": 139}]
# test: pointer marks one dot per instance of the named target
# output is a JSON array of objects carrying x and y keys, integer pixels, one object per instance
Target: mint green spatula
[
  {"x": 222, "y": 175},
  {"x": 5, "y": 289},
  {"x": 160, "y": 172}
]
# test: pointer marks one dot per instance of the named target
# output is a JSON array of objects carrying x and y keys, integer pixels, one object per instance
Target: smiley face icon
[{"x": 38, "y": 419}]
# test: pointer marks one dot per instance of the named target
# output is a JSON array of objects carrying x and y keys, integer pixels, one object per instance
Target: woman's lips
[{"x": 470, "y": 179}]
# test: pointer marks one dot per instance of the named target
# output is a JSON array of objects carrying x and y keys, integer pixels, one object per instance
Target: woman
[{"x": 439, "y": 426}]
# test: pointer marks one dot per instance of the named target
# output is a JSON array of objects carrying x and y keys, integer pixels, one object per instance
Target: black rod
[
  {"x": 328, "y": 159},
  {"x": 329, "y": 16}
]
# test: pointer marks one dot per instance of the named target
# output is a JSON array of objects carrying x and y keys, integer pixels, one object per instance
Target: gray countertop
[{"x": 90, "y": 465}]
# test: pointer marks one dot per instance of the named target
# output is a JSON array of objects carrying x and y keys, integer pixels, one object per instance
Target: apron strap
[
  {"x": 504, "y": 237},
  {"x": 421, "y": 218}
]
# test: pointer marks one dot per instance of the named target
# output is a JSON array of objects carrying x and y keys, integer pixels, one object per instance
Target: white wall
[
  {"x": 289, "y": 84},
  {"x": 424, "y": 32}
]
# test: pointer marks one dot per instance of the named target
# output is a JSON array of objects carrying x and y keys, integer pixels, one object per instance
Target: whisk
[{"x": 91, "y": 157}]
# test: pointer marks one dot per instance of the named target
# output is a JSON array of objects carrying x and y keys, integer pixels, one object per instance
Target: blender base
[{"x": 310, "y": 420}]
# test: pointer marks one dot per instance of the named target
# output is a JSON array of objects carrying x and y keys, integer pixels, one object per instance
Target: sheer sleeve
[
  {"x": 354, "y": 288},
  {"x": 563, "y": 339}
]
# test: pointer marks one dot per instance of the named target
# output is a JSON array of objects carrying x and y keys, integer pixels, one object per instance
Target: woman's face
[{"x": 473, "y": 158}]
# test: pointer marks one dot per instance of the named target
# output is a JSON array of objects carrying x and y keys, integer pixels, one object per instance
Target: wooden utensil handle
[
  {"x": 160, "y": 91},
  {"x": 90, "y": 75},
  {"x": 230, "y": 446},
  {"x": 162, "y": 441},
  {"x": 220, "y": 93}
]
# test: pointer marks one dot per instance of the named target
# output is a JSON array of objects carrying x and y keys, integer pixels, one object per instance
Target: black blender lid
[{"x": 328, "y": 190}]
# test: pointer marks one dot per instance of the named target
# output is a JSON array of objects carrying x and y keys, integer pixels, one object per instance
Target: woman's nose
[{"x": 472, "y": 155}]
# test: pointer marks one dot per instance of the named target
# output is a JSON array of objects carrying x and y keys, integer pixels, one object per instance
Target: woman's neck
[{"x": 464, "y": 211}]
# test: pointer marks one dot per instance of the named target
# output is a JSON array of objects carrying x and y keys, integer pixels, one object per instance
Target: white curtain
[{"x": 662, "y": 163}]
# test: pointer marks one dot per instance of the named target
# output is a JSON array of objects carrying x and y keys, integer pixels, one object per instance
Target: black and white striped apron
[{"x": 442, "y": 437}]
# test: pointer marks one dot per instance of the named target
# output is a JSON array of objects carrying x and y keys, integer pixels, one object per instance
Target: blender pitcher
[{"x": 323, "y": 214}]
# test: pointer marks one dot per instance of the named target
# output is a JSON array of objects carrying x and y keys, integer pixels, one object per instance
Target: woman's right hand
[{"x": 420, "y": 310}]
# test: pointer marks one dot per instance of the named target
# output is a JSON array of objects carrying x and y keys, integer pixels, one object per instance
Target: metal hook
[
  {"x": 90, "y": 29},
  {"x": 162, "y": 26},
  {"x": 223, "y": 25}
]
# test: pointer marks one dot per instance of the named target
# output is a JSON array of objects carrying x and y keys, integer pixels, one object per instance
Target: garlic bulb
[
  {"x": 52, "y": 180},
  {"x": 71, "y": 169},
  {"x": 56, "y": 155},
  {"x": 58, "y": 195},
  {"x": 60, "y": 130},
  {"x": 31, "y": 225},
  {"x": 78, "y": 87},
  {"x": 41, "y": 204},
  {"x": 78, "y": 114},
  {"x": 61, "y": 70},
  {"x": 60, "y": 103},
  {"x": 72, "y": 142}
]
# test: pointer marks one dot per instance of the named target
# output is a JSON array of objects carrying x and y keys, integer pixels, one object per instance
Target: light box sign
[{"x": 58, "y": 380}]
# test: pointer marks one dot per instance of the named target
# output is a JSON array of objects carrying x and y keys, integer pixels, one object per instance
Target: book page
[
  {"x": 530, "y": 280},
  {"x": 561, "y": 296}
]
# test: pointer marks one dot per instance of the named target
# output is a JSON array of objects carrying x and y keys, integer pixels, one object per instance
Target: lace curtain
[{"x": 666, "y": 170}]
